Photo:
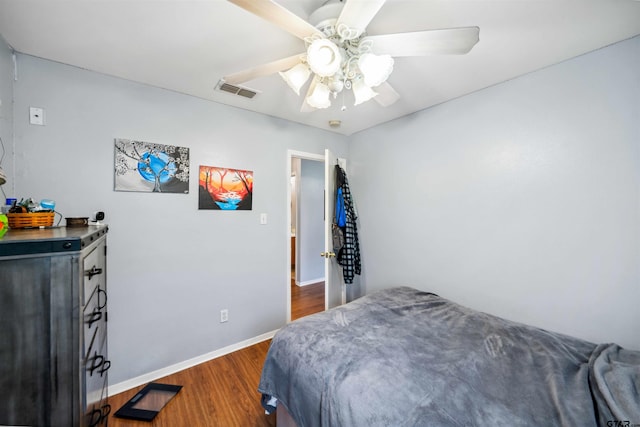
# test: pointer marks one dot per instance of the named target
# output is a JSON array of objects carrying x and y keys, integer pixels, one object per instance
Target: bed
[{"x": 402, "y": 357}]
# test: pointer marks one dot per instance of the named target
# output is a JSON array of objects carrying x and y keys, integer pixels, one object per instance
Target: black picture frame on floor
[{"x": 148, "y": 402}]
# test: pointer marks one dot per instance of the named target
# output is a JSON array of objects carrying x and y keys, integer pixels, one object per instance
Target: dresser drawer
[
  {"x": 93, "y": 266},
  {"x": 95, "y": 364},
  {"x": 96, "y": 407}
]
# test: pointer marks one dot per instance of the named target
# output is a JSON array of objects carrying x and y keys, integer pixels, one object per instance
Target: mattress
[{"x": 402, "y": 357}]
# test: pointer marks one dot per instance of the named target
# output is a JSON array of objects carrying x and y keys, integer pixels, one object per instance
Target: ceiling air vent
[{"x": 236, "y": 90}]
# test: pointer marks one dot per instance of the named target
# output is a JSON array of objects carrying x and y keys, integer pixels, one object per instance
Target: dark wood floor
[
  {"x": 307, "y": 299},
  {"x": 221, "y": 392}
]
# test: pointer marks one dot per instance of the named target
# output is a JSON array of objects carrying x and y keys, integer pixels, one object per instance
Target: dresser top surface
[
  {"x": 64, "y": 233},
  {"x": 51, "y": 239}
]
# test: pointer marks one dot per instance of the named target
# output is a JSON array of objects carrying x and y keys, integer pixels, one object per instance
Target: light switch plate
[{"x": 36, "y": 116}]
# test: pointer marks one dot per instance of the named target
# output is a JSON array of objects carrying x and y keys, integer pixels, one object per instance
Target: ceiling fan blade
[
  {"x": 306, "y": 108},
  {"x": 387, "y": 95},
  {"x": 357, "y": 14},
  {"x": 419, "y": 43},
  {"x": 263, "y": 70},
  {"x": 278, "y": 15}
]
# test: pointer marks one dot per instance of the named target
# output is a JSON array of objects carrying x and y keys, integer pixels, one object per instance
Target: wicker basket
[{"x": 31, "y": 219}]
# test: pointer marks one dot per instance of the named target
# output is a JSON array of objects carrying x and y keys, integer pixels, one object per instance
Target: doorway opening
[{"x": 305, "y": 194}]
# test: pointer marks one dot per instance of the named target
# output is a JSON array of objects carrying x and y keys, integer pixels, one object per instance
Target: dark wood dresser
[{"x": 53, "y": 333}]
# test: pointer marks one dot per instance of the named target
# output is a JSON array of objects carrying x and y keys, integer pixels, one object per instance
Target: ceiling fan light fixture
[
  {"x": 336, "y": 83},
  {"x": 296, "y": 77},
  {"x": 362, "y": 92},
  {"x": 319, "y": 98},
  {"x": 324, "y": 57},
  {"x": 340, "y": 54},
  {"x": 375, "y": 69}
]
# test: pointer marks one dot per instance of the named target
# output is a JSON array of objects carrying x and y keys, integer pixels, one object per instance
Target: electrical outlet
[{"x": 224, "y": 315}]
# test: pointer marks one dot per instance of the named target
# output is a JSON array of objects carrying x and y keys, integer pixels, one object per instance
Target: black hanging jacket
[{"x": 349, "y": 255}]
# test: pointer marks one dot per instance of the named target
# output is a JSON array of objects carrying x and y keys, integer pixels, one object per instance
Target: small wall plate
[{"x": 148, "y": 402}]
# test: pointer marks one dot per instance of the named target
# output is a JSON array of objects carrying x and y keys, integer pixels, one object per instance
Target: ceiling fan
[{"x": 340, "y": 55}]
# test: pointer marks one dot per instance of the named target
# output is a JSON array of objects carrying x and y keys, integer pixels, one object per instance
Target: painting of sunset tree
[{"x": 225, "y": 189}]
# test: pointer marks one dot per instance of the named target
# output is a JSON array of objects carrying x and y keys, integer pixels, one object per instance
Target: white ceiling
[{"x": 187, "y": 46}]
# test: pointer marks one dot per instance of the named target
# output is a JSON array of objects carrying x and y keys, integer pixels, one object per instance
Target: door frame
[{"x": 291, "y": 154}]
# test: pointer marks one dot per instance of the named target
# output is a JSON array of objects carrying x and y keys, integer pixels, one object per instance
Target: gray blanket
[{"x": 402, "y": 357}]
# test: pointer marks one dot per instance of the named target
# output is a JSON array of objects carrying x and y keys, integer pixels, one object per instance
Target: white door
[{"x": 335, "y": 290}]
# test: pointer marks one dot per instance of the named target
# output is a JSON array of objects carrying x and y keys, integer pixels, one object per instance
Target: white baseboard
[
  {"x": 151, "y": 376},
  {"x": 310, "y": 282}
]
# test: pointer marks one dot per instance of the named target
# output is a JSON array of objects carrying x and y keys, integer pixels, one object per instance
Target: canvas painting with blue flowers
[{"x": 153, "y": 168}]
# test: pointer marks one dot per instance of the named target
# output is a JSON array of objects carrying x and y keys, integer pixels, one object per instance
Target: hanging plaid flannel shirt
[{"x": 349, "y": 255}]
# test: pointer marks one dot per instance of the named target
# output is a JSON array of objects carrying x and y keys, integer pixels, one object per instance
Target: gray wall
[
  {"x": 522, "y": 200},
  {"x": 6, "y": 115},
  {"x": 171, "y": 267}
]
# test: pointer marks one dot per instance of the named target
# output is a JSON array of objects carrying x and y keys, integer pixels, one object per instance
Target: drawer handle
[
  {"x": 106, "y": 410},
  {"x": 105, "y": 367},
  {"x": 101, "y": 304},
  {"x": 93, "y": 317},
  {"x": 95, "y": 417},
  {"x": 98, "y": 363},
  {"x": 94, "y": 271},
  {"x": 98, "y": 416}
]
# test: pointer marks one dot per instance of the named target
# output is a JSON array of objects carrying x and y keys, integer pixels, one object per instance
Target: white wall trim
[
  {"x": 151, "y": 376},
  {"x": 310, "y": 282}
]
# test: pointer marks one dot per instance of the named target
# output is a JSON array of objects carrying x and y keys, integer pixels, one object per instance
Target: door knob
[{"x": 327, "y": 254}]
